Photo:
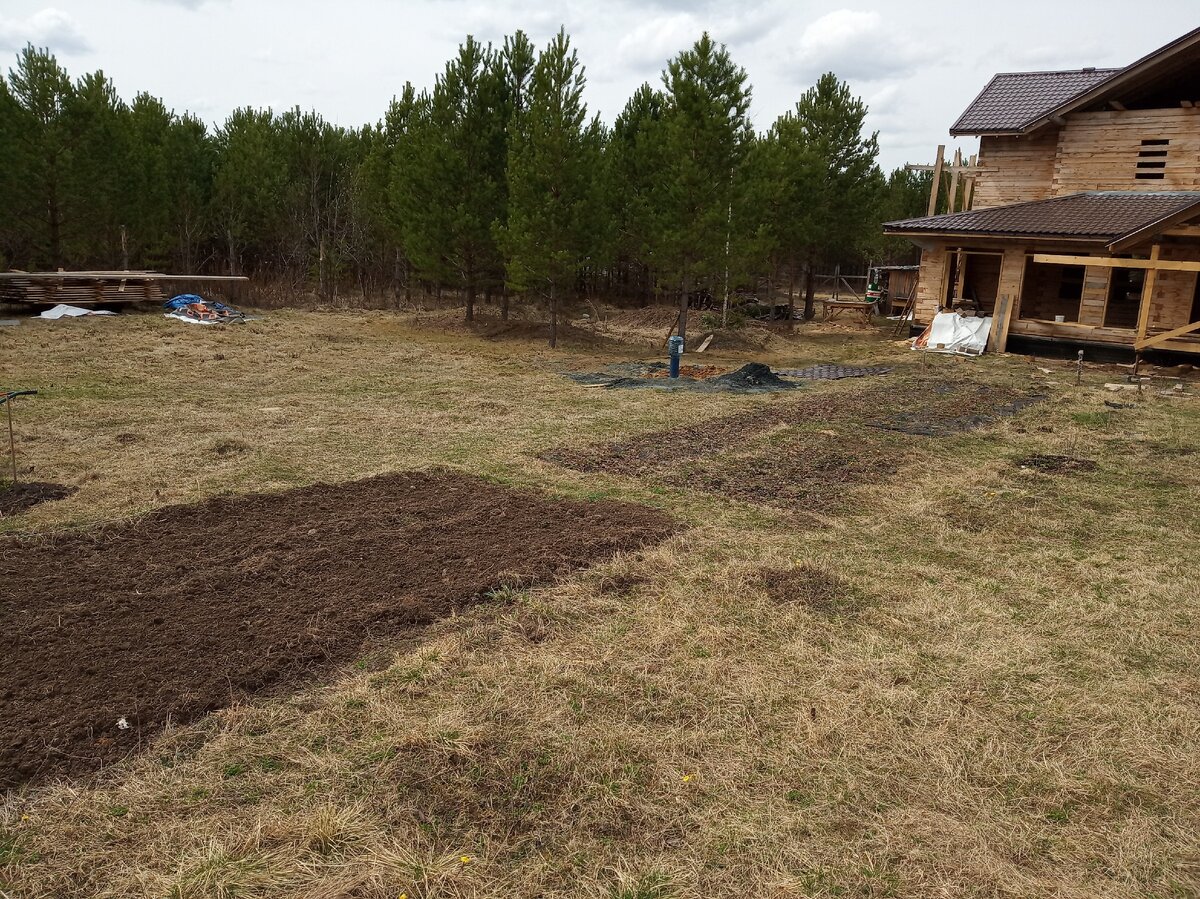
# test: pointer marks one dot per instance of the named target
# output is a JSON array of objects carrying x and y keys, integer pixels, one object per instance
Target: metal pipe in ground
[
  {"x": 675, "y": 348},
  {"x": 7, "y": 399}
]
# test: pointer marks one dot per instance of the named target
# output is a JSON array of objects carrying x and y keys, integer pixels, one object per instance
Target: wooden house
[{"x": 1084, "y": 224}]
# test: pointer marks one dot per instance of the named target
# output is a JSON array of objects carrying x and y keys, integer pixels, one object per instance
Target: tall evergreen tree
[
  {"x": 450, "y": 188},
  {"x": 633, "y": 166},
  {"x": 43, "y": 92},
  {"x": 828, "y": 182},
  {"x": 248, "y": 182},
  {"x": 705, "y": 136},
  {"x": 551, "y": 161}
]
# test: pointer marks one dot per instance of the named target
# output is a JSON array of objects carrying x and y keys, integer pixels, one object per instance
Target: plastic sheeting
[
  {"x": 62, "y": 310},
  {"x": 950, "y": 332}
]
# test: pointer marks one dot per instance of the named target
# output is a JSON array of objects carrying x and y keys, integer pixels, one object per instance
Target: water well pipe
[{"x": 675, "y": 349}]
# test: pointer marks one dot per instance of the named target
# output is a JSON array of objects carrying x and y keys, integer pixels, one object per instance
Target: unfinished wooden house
[{"x": 1084, "y": 222}]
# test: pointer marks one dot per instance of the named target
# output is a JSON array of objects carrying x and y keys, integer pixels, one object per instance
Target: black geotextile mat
[
  {"x": 827, "y": 371},
  {"x": 753, "y": 377}
]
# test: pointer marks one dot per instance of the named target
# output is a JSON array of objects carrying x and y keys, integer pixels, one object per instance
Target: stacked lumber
[{"x": 91, "y": 288}]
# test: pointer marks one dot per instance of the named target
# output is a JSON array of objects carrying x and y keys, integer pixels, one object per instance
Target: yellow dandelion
[
  {"x": 24, "y": 817},
  {"x": 402, "y": 896},
  {"x": 686, "y": 778},
  {"x": 465, "y": 859}
]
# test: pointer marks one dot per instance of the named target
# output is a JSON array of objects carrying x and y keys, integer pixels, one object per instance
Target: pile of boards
[{"x": 73, "y": 288}]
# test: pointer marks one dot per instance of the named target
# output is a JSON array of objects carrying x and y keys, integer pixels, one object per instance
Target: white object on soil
[{"x": 62, "y": 310}]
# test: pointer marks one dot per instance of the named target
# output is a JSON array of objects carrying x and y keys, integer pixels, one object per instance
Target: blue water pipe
[{"x": 675, "y": 348}]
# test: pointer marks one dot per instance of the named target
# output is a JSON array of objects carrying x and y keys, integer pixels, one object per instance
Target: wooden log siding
[
  {"x": 1015, "y": 169},
  {"x": 1171, "y": 304},
  {"x": 1093, "y": 151},
  {"x": 1095, "y": 295},
  {"x": 931, "y": 286},
  {"x": 1099, "y": 150}
]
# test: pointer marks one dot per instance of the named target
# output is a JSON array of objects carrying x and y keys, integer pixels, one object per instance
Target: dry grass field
[{"x": 870, "y": 662}]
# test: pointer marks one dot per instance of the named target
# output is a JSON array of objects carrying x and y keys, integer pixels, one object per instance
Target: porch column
[
  {"x": 1008, "y": 297},
  {"x": 1143, "y": 322}
]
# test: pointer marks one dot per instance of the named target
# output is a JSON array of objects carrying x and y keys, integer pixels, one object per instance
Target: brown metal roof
[
  {"x": 1108, "y": 217},
  {"x": 1013, "y": 100}
]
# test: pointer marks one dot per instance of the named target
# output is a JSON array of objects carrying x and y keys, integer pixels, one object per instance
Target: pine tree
[
  {"x": 449, "y": 183},
  {"x": 42, "y": 91},
  {"x": 632, "y": 170},
  {"x": 828, "y": 181},
  {"x": 705, "y": 136},
  {"x": 248, "y": 181},
  {"x": 551, "y": 162}
]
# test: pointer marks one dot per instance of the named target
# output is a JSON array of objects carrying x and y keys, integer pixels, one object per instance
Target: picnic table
[{"x": 836, "y": 308}]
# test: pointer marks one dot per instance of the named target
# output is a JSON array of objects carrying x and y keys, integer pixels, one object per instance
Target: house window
[
  {"x": 1124, "y": 297},
  {"x": 1152, "y": 160},
  {"x": 1050, "y": 291}
]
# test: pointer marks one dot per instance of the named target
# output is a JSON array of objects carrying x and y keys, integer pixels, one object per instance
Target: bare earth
[{"x": 901, "y": 641}]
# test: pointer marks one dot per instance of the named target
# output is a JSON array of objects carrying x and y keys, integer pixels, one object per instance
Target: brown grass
[{"x": 983, "y": 684}]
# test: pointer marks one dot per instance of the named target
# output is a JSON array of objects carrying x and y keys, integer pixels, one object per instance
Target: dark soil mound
[
  {"x": 108, "y": 634},
  {"x": 16, "y": 499},
  {"x": 1054, "y": 464},
  {"x": 753, "y": 374},
  {"x": 813, "y": 587}
]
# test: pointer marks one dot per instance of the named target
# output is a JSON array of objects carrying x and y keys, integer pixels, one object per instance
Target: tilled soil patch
[
  {"x": 15, "y": 499},
  {"x": 111, "y": 633},
  {"x": 802, "y": 455}
]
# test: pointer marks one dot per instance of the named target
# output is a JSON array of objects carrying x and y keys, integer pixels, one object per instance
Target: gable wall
[
  {"x": 1093, "y": 151},
  {"x": 1015, "y": 169},
  {"x": 1099, "y": 150}
]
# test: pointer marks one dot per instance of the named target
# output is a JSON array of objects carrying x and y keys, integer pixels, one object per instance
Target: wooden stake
[
  {"x": 937, "y": 179},
  {"x": 952, "y": 201}
]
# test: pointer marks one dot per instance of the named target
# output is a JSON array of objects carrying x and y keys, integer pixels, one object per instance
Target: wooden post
[
  {"x": 937, "y": 180},
  {"x": 1012, "y": 276},
  {"x": 969, "y": 186},
  {"x": 1147, "y": 294},
  {"x": 1000, "y": 318},
  {"x": 952, "y": 202}
]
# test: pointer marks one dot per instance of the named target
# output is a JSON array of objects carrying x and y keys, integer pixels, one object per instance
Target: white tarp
[
  {"x": 62, "y": 310},
  {"x": 950, "y": 332},
  {"x": 192, "y": 321}
]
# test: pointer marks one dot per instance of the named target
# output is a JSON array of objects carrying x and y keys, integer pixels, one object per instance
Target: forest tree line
[{"x": 493, "y": 182}]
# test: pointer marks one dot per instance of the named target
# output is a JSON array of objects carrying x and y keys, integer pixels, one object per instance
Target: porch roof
[{"x": 1115, "y": 219}]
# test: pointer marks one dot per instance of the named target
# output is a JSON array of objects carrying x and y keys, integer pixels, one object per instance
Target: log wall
[
  {"x": 1015, "y": 169},
  {"x": 931, "y": 286},
  {"x": 1099, "y": 151}
]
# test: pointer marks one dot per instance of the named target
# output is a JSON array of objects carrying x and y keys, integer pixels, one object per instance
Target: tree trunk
[
  {"x": 809, "y": 314},
  {"x": 684, "y": 289},
  {"x": 553, "y": 317},
  {"x": 471, "y": 297},
  {"x": 791, "y": 297},
  {"x": 321, "y": 289},
  {"x": 504, "y": 303}
]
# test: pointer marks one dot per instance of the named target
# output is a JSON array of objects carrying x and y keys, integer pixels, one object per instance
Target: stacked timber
[
  {"x": 80, "y": 288},
  {"x": 92, "y": 288}
]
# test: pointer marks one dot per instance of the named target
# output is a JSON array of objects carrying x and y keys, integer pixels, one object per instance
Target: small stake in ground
[
  {"x": 6, "y": 400},
  {"x": 1079, "y": 370}
]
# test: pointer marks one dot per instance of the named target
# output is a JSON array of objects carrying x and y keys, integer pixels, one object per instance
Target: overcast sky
[{"x": 917, "y": 63}]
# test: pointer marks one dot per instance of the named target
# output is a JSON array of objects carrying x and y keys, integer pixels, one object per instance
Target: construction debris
[{"x": 195, "y": 310}]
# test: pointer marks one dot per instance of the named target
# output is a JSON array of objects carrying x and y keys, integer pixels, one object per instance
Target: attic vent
[{"x": 1152, "y": 160}]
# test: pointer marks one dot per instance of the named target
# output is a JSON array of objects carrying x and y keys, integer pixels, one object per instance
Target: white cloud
[
  {"x": 49, "y": 27},
  {"x": 855, "y": 45},
  {"x": 651, "y": 43}
]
